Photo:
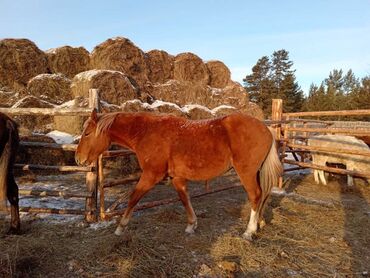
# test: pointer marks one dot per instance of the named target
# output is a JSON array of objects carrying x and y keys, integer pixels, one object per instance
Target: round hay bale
[
  {"x": 54, "y": 88},
  {"x": 219, "y": 74},
  {"x": 233, "y": 95},
  {"x": 197, "y": 112},
  {"x": 39, "y": 124},
  {"x": 182, "y": 93},
  {"x": 122, "y": 55},
  {"x": 189, "y": 67},
  {"x": 223, "y": 110},
  {"x": 160, "y": 66},
  {"x": 114, "y": 87},
  {"x": 68, "y": 60},
  {"x": 20, "y": 60},
  {"x": 255, "y": 111}
]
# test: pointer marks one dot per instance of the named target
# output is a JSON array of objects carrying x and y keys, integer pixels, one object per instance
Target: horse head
[{"x": 93, "y": 141}]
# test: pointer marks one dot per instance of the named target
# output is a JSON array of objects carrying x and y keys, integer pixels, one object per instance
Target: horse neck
[{"x": 127, "y": 130}]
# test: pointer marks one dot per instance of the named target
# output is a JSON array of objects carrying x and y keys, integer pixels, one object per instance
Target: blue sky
[{"x": 319, "y": 35}]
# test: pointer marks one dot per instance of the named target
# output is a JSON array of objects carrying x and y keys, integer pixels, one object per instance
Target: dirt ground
[{"x": 312, "y": 231}]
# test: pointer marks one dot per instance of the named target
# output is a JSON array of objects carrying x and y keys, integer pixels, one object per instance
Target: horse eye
[{"x": 87, "y": 133}]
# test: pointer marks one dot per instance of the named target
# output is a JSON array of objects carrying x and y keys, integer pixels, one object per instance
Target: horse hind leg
[
  {"x": 251, "y": 186},
  {"x": 13, "y": 197},
  {"x": 147, "y": 181},
  {"x": 181, "y": 188}
]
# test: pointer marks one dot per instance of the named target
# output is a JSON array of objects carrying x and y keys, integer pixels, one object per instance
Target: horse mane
[{"x": 105, "y": 121}]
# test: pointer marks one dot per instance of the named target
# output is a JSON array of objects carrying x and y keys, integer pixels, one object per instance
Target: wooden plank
[
  {"x": 46, "y": 111},
  {"x": 330, "y": 113},
  {"x": 52, "y": 210},
  {"x": 129, "y": 178},
  {"x": 327, "y": 169},
  {"x": 30, "y": 167},
  {"x": 330, "y": 130},
  {"x": 331, "y": 150},
  {"x": 66, "y": 147},
  {"x": 53, "y": 193}
]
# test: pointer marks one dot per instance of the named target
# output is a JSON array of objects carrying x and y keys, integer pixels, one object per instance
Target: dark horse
[
  {"x": 9, "y": 141},
  {"x": 188, "y": 150}
]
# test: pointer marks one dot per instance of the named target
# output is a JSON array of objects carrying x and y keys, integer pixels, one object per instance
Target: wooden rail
[
  {"x": 328, "y": 169},
  {"x": 47, "y": 111},
  {"x": 30, "y": 167},
  {"x": 359, "y": 132},
  {"x": 329, "y": 113}
]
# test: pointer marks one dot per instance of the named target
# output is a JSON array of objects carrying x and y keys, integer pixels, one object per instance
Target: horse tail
[
  {"x": 7, "y": 160},
  {"x": 269, "y": 173}
]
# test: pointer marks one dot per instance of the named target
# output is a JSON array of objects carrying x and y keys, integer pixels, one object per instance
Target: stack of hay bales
[
  {"x": 128, "y": 79},
  {"x": 68, "y": 60},
  {"x": 20, "y": 60}
]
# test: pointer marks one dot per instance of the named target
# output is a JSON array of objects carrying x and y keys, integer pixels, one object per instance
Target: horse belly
[{"x": 198, "y": 167}]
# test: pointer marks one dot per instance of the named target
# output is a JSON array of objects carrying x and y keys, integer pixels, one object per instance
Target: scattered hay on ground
[
  {"x": 20, "y": 60},
  {"x": 68, "y": 60},
  {"x": 303, "y": 239},
  {"x": 54, "y": 88}
]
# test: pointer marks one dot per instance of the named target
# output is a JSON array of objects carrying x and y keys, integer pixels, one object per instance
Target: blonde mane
[{"x": 105, "y": 121}]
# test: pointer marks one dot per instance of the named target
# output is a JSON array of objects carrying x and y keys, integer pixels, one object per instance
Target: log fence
[{"x": 288, "y": 133}]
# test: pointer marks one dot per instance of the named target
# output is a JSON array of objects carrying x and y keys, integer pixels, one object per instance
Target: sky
[{"x": 319, "y": 35}]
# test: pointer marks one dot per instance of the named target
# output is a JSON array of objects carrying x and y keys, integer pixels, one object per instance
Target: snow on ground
[{"x": 61, "y": 137}]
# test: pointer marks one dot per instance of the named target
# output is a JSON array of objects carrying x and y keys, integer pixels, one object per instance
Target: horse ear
[{"x": 94, "y": 115}]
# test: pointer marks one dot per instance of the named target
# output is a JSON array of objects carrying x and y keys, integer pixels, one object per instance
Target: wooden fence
[{"x": 286, "y": 128}]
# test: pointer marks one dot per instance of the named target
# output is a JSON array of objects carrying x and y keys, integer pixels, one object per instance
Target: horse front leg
[
  {"x": 147, "y": 181},
  {"x": 181, "y": 188},
  {"x": 12, "y": 195}
]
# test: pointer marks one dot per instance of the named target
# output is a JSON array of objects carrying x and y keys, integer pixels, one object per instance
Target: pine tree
[
  {"x": 274, "y": 79},
  {"x": 259, "y": 84}
]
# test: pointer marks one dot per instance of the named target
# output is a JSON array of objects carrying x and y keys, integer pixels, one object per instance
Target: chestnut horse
[
  {"x": 188, "y": 150},
  {"x": 9, "y": 141}
]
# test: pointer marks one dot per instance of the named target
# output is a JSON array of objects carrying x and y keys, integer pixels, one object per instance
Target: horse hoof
[
  {"x": 248, "y": 236},
  {"x": 190, "y": 229},
  {"x": 118, "y": 231}
]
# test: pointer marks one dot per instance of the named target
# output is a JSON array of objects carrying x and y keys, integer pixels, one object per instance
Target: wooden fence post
[
  {"x": 276, "y": 115},
  {"x": 92, "y": 177}
]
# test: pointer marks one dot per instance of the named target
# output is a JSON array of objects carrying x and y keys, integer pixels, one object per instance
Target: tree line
[{"x": 273, "y": 77}]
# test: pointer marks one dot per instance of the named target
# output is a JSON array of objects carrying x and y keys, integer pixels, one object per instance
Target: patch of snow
[
  {"x": 159, "y": 103},
  {"x": 218, "y": 108},
  {"x": 61, "y": 137},
  {"x": 102, "y": 225},
  {"x": 67, "y": 104},
  {"x": 189, "y": 107}
]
